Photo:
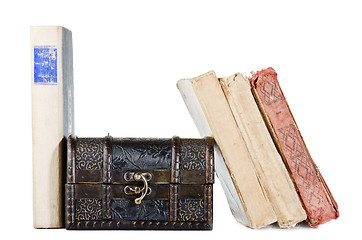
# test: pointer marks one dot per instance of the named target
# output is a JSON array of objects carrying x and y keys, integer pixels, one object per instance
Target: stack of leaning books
[{"x": 262, "y": 161}]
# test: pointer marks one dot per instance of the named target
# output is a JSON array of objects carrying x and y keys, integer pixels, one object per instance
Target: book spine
[
  {"x": 210, "y": 96},
  {"x": 194, "y": 107},
  {"x": 265, "y": 157},
  {"x": 52, "y": 120},
  {"x": 317, "y": 199}
]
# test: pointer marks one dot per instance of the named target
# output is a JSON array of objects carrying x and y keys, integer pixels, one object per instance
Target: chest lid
[{"x": 121, "y": 160}]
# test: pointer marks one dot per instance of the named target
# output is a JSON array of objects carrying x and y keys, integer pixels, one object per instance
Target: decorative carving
[
  {"x": 89, "y": 153},
  {"x": 190, "y": 210},
  {"x": 88, "y": 209},
  {"x": 192, "y": 155}
]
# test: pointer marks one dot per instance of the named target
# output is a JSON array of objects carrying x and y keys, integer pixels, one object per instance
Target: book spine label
[
  {"x": 318, "y": 201},
  {"x": 45, "y": 65}
]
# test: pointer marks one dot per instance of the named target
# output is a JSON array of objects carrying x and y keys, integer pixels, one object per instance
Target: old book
[
  {"x": 139, "y": 183},
  {"x": 210, "y": 110},
  {"x": 269, "y": 165},
  {"x": 314, "y": 193},
  {"x": 52, "y": 120}
]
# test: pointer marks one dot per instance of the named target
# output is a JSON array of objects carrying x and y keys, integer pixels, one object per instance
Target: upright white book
[{"x": 52, "y": 120}]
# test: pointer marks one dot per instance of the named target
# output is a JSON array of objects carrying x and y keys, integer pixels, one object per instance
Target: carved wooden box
[{"x": 132, "y": 183}]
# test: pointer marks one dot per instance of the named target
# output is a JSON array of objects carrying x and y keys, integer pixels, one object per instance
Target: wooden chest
[{"x": 133, "y": 183}]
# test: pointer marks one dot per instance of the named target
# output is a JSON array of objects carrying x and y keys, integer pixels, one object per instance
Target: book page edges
[{"x": 267, "y": 161}]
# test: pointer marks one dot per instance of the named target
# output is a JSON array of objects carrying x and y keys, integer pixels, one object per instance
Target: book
[
  {"x": 268, "y": 163},
  {"x": 318, "y": 201},
  {"x": 211, "y": 113},
  {"x": 52, "y": 120}
]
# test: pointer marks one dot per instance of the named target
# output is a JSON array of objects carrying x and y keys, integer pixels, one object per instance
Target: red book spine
[{"x": 313, "y": 191}]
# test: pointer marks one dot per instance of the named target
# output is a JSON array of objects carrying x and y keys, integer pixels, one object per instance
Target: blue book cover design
[{"x": 45, "y": 65}]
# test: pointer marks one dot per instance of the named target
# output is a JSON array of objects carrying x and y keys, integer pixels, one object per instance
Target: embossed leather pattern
[
  {"x": 101, "y": 192},
  {"x": 148, "y": 210},
  {"x": 141, "y": 154}
]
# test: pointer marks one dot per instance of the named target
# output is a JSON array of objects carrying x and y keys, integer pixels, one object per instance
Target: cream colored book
[
  {"x": 212, "y": 115},
  {"x": 269, "y": 165},
  {"x": 52, "y": 120}
]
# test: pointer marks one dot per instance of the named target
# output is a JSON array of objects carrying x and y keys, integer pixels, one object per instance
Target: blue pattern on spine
[{"x": 45, "y": 65}]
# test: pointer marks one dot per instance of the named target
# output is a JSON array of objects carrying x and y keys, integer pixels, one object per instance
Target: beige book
[
  {"x": 210, "y": 110},
  {"x": 52, "y": 120},
  {"x": 268, "y": 163}
]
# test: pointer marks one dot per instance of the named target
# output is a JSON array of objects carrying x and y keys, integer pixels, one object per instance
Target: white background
[{"x": 128, "y": 57}]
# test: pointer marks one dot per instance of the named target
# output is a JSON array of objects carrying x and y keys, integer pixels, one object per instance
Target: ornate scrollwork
[
  {"x": 192, "y": 155},
  {"x": 88, "y": 209},
  {"x": 190, "y": 210},
  {"x": 89, "y": 154}
]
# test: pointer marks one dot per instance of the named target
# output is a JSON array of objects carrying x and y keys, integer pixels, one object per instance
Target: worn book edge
[{"x": 265, "y": 157}]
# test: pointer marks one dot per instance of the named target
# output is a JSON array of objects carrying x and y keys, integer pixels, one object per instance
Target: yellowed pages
[
  {"x": 268, "y": 163},
  {"x": 227, "y": 135}
]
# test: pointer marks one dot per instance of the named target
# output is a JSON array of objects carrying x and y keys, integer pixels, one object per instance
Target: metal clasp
[{"x": 132, "y": 190}]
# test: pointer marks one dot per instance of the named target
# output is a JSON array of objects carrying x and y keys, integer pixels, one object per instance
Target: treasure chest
[{"x": 139, "y": 183}]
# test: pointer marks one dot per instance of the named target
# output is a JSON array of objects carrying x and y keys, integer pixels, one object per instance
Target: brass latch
[{"x": 133, "y": 190}]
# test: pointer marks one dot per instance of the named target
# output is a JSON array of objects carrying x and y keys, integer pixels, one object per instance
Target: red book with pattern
[{"x": 314, "y": 193}]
